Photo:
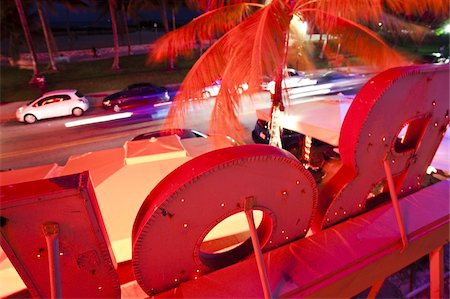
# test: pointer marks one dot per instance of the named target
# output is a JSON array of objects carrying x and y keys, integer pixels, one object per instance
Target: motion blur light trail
[{"x": 98, "y": 119}]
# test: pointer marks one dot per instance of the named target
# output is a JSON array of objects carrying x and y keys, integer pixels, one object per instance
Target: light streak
[{"x": 98, "y": 119}]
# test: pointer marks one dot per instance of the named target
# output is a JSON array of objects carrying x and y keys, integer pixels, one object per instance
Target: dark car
[
  {"x": 290, "y": 140},
  {"x": 182, "y": 133},
  {"x": 144, "y": 95},
  {"x": 293, "y": 142}
]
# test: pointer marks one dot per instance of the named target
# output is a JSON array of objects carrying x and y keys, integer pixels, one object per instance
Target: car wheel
[
  {"x": 30, "y": 118},
  {"x": 206, "y": 95},
  {"x": 77, "y": 111},
  {"x": 116, "y": 108}
]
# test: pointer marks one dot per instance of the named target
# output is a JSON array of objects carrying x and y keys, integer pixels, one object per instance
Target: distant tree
[
  {"x": 28, "y": 39},
  {"x": 11, "y": 28},
  {"x": 45, "y": 29},
  {"x": 113, "y": 10},
  {"x": 162, "y": 6},
  {"x": 123, "y": 9}
]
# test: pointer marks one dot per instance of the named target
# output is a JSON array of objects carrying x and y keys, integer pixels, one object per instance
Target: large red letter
[
  {"x": 190, "y": 201},
  {"x": 412, "y": 100}
]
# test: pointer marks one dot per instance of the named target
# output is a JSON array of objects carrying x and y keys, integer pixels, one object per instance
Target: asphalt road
[{"x": 50, "y": 141}]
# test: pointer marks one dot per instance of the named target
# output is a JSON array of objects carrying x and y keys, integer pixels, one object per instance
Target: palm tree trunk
[
  {"x": 277, "y": 101},
  {"x": 164, "y": 15},
  {"x": 46, "y": 35},
  {"x": 28, "y": 39},
  {"x": 125, "y": 25},
  {"x": 174, "y": 26},
  {"x": 324, "y": 46},
  {"x": 112, "y": 11}
]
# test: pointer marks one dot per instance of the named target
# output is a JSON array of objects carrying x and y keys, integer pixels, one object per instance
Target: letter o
[{"x": 179, "y": 212}]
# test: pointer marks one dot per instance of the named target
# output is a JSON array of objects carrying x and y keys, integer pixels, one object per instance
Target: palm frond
[
  {"x": 236, "y": 62},
  {"x": 208, "y": 5},
  {"x": 348, "y": 9},
  {"x": 204, "y": 28},
  {"x": 357, "y": 40},
  {"x": 400, "y": 28},
  {"x": 418, "y": 7}
]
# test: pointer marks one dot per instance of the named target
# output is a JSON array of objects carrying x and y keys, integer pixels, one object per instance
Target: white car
[
  {"x": 292, "y": 79},
  {"x": 53, "y": 104},
  {"x": 213, "y": 89}
]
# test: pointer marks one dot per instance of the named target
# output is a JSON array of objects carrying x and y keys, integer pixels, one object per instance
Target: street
[
  {"x": 54, "y": 140},
  {"x": 50, "y": 141}
]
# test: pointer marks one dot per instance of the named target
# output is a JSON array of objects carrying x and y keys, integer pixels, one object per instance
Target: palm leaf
[
  {"x": 418, "y": 7},
  {"x": 204, "y": 28},
  {"x": 357, "y": 40},
  {"x": 236, "y": 62},
  {"x": 208, "y": 5}
]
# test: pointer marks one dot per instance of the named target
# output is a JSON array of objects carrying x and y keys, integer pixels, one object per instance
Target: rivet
[
  {"x": 370, "y": 134},
  {"x": 182, "y": 200},
  {"x": 61, "y": 253},
  {"x": 297, "y": 182},
  {"x": 409, "y": 187},
  {"x": 222, "y": 205},
  {"x": 393, "y": 161},
  {"x": 360, "y": 205},
  {"x": 185, "y": 225},
  {"x": 434, "y": 103},
  {"x": 284, "y": 192},
  {"x": 335, "y": 213},
  {"x": 176, "y": 280},
  {"x": 384, "y": 138},
  {"x": 287, "y": 238},
  {"x": 345, "y": 212},
  {"x": 100, "y": 287},
  {"x": 328, "y": 219},
  {"x": 282, "y": 231},
  {"x": 38, "y": 256},
  {"x": 195, "y": 277},
  {"x": 436, "y": 124}
]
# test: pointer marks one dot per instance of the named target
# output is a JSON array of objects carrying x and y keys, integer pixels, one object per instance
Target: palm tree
[
  {"x": 46, "y": 34},
  {"x": 112, "y": 11},
  {"x": 253, "y": 40},
  {"x": 28, "y": 38},
  {"x": 123, "y": 9},
  {"x": 162, "y": 5}
]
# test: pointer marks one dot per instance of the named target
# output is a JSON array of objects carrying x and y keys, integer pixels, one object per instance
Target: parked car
[
  {"x": 290, "y": 140},
  {"x": 53, "y": 104},
  {"x": 182, "y": 133},
  {"x": 293, "y": 142},
  {"x": 137, "y": 95}
]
